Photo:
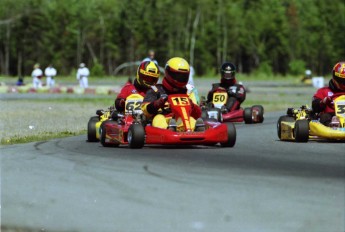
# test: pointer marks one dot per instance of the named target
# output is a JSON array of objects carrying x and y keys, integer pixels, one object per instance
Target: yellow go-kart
[
  {"x": 133, "y": 103},
  {"x": 301, "y": 124}
]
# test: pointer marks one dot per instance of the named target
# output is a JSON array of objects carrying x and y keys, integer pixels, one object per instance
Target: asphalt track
[{"x": 261, "y": 184}]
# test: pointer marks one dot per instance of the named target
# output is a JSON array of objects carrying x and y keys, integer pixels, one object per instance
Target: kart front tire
[
  {"x": 283, "y": 119},
  {"x": 91, "y": 129},
  {"x": 136, "y": 136},
  {"x": 231, "y": 135},
  {"x": 248, "y": 115},
  {"x": 103, "y": 135},
  {"x": 260, "y": 115},
  {"x": 301, "y": 131}
]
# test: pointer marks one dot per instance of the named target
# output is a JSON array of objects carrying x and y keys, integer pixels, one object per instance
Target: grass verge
[{"x": 42, "y": 136}]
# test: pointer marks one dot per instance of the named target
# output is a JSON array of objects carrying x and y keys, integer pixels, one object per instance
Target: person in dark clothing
[{"x": 228, "y": 83}]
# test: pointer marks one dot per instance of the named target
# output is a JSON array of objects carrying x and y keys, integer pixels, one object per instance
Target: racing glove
[
  {"x": 326, "y": 101},
  {"x": 159, "y": 103},
  {"x": 120, "y": 104}
]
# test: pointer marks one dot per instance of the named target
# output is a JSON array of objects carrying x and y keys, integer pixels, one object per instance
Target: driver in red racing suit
[
  {"x": 174, "y": 82},
  {"x": 322, "y": 102},
  {"x": 147, "y": 76},
  {"x": 228, "y": 83}
]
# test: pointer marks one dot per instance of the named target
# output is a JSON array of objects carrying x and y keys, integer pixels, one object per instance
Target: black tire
[
  {"x": 301, "y": 131},
  {"x": 231, "y": 135},
  {"x": 136, "y": 136},
  {"x": 103, "y": 135},
  {"x": 248, "y": 115},
  {"x": 91, "y": 129},
  {"x": 260, "y": 116},
  {"x": 280, "y": 120}
]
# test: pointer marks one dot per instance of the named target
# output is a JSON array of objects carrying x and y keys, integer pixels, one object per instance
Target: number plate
[{"x": 219, "y": 99}]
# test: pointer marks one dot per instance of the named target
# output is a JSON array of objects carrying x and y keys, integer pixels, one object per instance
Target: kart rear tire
[
  {"x": 284, "y": 118},
  {"x": 136, "y": 136},
  {"x": 248, "y": 115},
  {"x": 301, "y": 131},
  {"x": 91, "y": 129},
  {"x": 231, "y": 135},
  {"x": 103, "y": 135},
  {"x": 260, "y": 109}
]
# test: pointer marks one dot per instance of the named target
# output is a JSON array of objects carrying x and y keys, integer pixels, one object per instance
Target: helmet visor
[
  {"x": 149, "y": 80},
  {"x": 179, "y": 76},
  {"x": 229, "y": 75}
]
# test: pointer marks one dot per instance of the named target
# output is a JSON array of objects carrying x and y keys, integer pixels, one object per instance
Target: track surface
[{"x": 261, "y": 184}]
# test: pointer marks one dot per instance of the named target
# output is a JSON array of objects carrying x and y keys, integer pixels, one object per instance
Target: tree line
[{"x": 269, "y": 36}]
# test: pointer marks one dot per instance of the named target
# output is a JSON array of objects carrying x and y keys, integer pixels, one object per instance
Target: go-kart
[
  {"x": 114, "y": 131},
  {"x": 216, "y": 109},
  {"x": 210, "y": 132},
  {"x": 302, "y": 124}
]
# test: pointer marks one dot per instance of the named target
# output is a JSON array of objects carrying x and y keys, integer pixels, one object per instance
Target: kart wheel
[
  {"x": 231, "y": 135},
  {"x": 301, "y": 131},
  {"x": 248, "y": 115},
  {"x": 136, "y": 136},
  {"x": 283, "y": 119},
  {"x": 91, "y": 129},
  {"x": 260, "y": 115},
  {"x": 103, "y": 135}
]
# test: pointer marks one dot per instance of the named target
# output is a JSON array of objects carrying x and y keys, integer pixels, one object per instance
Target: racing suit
[
  {"x": 127, "y": 90},
  {"x": 236, "y": 94},
  {"x": 153, "y": 95},
  {"x": 322, "y": 103}
]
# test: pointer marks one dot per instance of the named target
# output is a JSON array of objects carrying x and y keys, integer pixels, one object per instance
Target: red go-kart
[
  {"x": 209, "y": 133},
  {"x": 114, "y": 132},
  {"x": 217, "y": 110}
]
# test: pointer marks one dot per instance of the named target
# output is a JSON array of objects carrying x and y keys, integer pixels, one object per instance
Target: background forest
[{"x": 267, "y": 36}]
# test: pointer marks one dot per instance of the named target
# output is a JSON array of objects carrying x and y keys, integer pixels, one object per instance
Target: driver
[
  {"x": 228, "y": 83},
  {"x": 174, "y": 82},
  {"x": 147, "y": 76},
  {"x": 322, "y": 102}
]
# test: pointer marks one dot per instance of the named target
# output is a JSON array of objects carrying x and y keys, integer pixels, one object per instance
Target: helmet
[
  {"x": 176, "y": 74},
  {"x": 147, "y": 74},
  {"x": 227, "y": 72},
  {"x": 82, "y": 65},
  {"x": 338, "y": 75}
]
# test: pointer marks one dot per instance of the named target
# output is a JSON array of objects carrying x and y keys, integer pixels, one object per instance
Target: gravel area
[{"x": 29, "y": 117}]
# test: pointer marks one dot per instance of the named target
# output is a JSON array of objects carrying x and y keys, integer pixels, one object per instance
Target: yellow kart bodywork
[
  {"x": 322, "y": 131},
  {"x": 102, "y": 118}
]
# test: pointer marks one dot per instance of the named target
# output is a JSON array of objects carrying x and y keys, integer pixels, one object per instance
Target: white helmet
[
  {"x": 82, "y": 65},
  {"x": 307, "y": 72}
]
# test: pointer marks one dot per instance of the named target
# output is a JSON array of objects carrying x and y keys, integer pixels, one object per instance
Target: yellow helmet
[
  {"x": 176, "y": 74},
  {"x": 147, "y": 74}
]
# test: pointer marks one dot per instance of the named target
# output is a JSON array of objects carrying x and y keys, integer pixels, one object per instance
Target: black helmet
[{"x": 227, "y": 72}]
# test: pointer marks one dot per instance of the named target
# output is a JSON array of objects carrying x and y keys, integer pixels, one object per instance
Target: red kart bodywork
[
  {"x": 116, "y": 132},
  {"x": 233, "y": 116},
  {"x": 215, "y": 132}
]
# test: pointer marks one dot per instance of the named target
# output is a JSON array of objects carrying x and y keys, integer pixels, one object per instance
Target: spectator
[
  {"x": 37, "y": 76},
  {"x": 50, "y": 73},
  {"x": 82, "y": 75},
  {"x": 20, "y": 81},
  {"x": 151, "y": 57}
]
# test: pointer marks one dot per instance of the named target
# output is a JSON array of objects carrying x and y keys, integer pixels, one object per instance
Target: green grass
[{"x": 42, "y": 136}]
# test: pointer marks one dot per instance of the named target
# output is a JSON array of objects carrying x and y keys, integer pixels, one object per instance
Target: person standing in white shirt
[
  {"x": 37, "y": 76},
  {"x": 50, "y": 73},
  {"x": 150, "y": 57},
  {"x": 82, "y": 75}
]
